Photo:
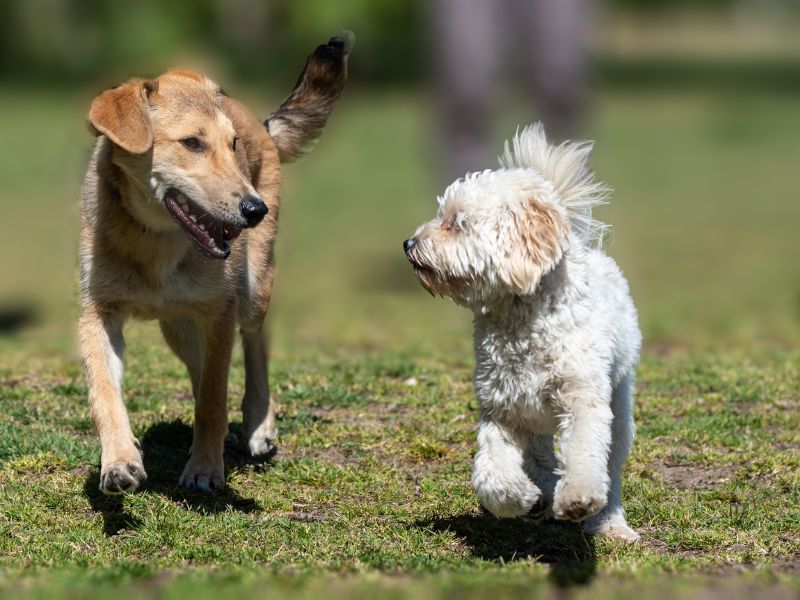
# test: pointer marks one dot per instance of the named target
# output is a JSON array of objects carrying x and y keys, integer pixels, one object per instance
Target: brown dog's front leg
[
  {"x": 101, "y": 349},
  {"x": 205, "y": 469}
]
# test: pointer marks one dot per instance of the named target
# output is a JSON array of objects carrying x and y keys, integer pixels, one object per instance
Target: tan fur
[
  {"x": 538, "y": 249},
  {"x": 121, "y": 114},
  {"x": 137, "y": 262}
]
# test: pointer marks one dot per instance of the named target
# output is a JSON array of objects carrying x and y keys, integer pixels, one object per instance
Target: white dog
[{"x": 556, "y": 333}]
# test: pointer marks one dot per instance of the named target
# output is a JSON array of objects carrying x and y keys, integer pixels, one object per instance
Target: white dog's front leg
[
  {"x": 498, "y": 478},
  {"x": 582, "y": 490}
]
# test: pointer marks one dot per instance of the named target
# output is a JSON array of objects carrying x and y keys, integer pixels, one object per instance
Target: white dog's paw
[
  {"x": 506, "y": 497},
  {"x": 205, "y": 476},
  {"x": 578, "y": 500},
  {"x": 612, "y": 526},
  {"x": 616, "y": 531}
]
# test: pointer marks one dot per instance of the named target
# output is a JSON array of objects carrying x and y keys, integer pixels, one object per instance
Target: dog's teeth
[{"x": 193, "y": 218}]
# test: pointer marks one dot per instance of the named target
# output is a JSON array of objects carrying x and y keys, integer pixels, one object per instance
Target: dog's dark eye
[
  {"x": 234, "y": 143},
  {"x": 193, "y": 144}
]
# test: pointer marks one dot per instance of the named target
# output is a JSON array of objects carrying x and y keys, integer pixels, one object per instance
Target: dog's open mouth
[{"x": 208, "y": 233}]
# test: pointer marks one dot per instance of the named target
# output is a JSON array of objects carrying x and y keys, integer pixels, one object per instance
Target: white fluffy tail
[{"x": 566, "y": 167}]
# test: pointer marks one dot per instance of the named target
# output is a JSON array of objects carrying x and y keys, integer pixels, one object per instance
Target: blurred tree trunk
[
  {"x": 543, "y": 45},
  {"x": 554, "y": 36},
  {"x": 465, "y": 43},
  {"x": 244, "y": 26}
]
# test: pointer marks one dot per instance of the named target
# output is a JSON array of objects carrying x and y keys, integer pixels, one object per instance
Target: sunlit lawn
[{"x": 370, "y": 487}]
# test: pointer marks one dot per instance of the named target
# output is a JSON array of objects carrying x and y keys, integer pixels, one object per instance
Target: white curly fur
[
  {"x": 556, "y": 333},
  {"x": 566, "y": 167}
]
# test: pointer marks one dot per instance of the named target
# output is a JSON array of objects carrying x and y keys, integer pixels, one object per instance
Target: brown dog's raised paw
[{"x": 121, "y": 477}]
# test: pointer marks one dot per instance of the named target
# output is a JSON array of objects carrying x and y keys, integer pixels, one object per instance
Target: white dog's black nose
[
  {"x": 253, "y": 210},
  {"x": 408, "y": 245}
]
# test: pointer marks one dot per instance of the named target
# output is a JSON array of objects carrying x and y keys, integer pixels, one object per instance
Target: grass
[{"x": 369, "y": 491}]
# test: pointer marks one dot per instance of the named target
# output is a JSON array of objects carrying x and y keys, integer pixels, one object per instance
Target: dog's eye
[
  {"x": 193, "y": 144},
  {"x": 234, "y": 143}
]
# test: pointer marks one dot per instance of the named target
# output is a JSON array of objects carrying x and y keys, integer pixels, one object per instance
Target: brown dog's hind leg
[
  {"x": 121, "y": 468},
  {"x": 205, "y": 469},
  {"x": 258, "y": 410}
]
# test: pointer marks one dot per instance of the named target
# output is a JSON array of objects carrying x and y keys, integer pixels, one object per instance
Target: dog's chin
[
  {"x": 424, "y": 281},
  {"x": 437, "y": 284},
  {"x": 426, "y": 277},
  {"x": 211, "y": 235}
]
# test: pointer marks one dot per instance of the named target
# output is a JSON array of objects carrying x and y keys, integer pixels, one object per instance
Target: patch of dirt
[
  {"x": 307, "y": 513},
  {"x": 789, "y": 566},
  {"x": 728, "y": 569},
  {"x": 690, "y": 476},
  {"x": 371, "y": 415},
  {"x": 783, "y": 565},
  {"x": 665, "y": 348},
  {"x": 334, "y": 455},
  {"x": 34, "y": 383},
  {"x": 305, "y": 517},
  {"x": 649, "y": 540},
  {"x": 187, "y": 395}
]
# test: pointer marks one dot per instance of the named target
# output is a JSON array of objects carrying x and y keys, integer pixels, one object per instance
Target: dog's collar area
[{"x": 211, "y": 235}]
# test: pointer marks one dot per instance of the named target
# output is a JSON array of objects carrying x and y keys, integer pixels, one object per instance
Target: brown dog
[{"x": 179, "y": 213}]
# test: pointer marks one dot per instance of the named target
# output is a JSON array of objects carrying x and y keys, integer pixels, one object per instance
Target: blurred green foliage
[
  {"x": 69, "y": 40},
  {"x": 59, "y": 40}
]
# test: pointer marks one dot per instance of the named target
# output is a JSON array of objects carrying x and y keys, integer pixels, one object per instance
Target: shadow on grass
[
  {"x": 116, "y": 519},
  {"x": 16, "y": 316},
  {"x": 165, "y": 448},
  {"x": 569, "y": 551}
]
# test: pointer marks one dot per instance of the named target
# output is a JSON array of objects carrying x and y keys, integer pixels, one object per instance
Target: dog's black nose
[
  {"x": 253, "y": 210},
  {"x": 408, "y": 245}
]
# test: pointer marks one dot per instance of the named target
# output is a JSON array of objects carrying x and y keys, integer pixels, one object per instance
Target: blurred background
[{"x": 695, "y": 106}]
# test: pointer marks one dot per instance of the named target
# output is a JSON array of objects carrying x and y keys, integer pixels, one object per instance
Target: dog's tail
[{"x": 566, "y": 166}]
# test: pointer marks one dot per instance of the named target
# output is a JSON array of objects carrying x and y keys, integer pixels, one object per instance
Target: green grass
[{"x": 369, "y": 491}]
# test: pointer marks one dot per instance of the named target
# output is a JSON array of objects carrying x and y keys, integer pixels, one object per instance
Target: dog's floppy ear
[
  {"x": 536, "y": 244},
  {"x": 121, "y": 114},
  {"x": 298, "y": 122}
]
